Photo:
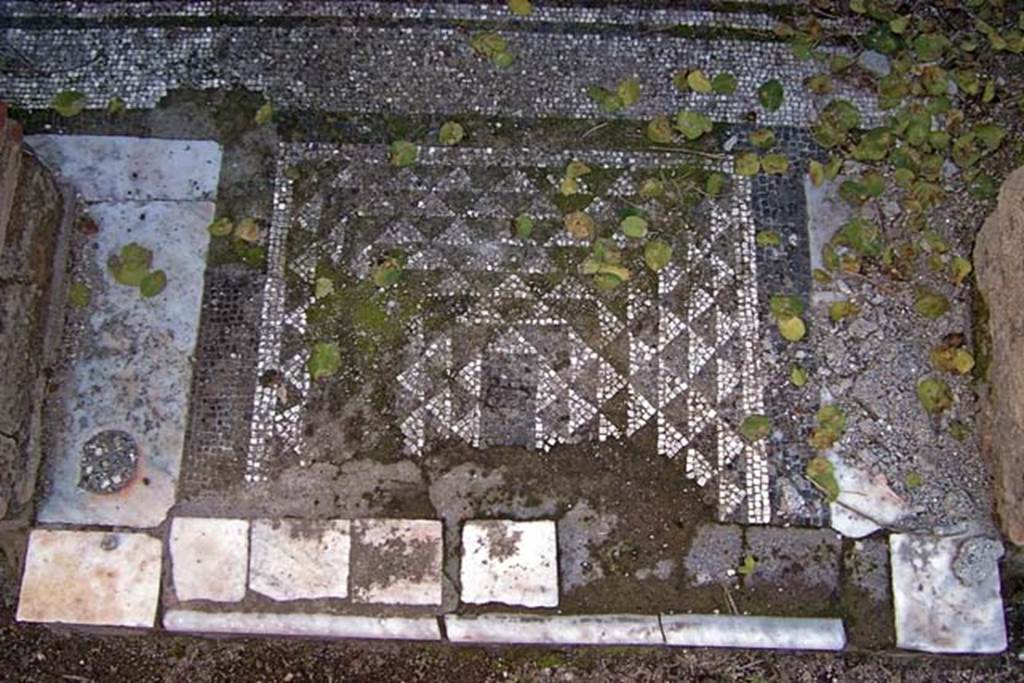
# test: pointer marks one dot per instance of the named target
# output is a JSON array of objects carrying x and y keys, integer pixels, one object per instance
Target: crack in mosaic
[{"x": 512, "y": 361}]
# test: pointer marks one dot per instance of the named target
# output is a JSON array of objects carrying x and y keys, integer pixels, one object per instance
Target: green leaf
[
  {"x": 762, "y": 137},
  {"x": 451, "y": 133},
  {"x": 248, "y": 230},
  {"x": 934, "y": 395},
  {"x": 838, "y": 310},
  {"x": 874, "y": 145},
  {"x": 724, "y": 83},
  {"x": 929, "y": 47},
  {"x": 679, "y": 80},
  {"x": 798, "y": 376},
  {"x": 775, "y": 164},
  {"x": 792, "y": 329},
  {"x": 913, "y": 480},
  {"x": 820, "y": 84},
  {"x": 693, "y": 124},
  {"x": 324, "y": 360},
  {"x": 960, "y": 269},
  {"x": 768, "y": 238},
  {"x": 634, "y": 227},
  {"x": 488, "y": 44},
  {"x": 952, "y": 359},
  {"x": 748, "y": 567},
  {"x": 222, "y": 227},
  {"x": 264, "y": 114},
  {"x": 785, "y": 306},
  {"x": 659, "y": 130},
  {"x": 131, "y": 266},
  {"x": 715, "y": 183},
  {"x": 579, "y": 225},
  {"x": 698, "y": 81},
  {"x": 523, "y": 226},
  {"x": 816, "y": 171},
  {"x": 152, "y": 284},
  {"x": 403, "y": 153},
  {"x": 861, "y": 235},
  {"x": 68, "y": 103},
  {"x": 116, "y": 106},
  {"x": 930, "y": 304},
  {"x": 520, "y": 8},
  {"x": 991, "y": 135},
  {"x": 755, "y": 427},
  {"x": 820, "y": 472},
  {"x": 79, "y": 294},
  {"x": 323, "y": 286},
  {"x": 628, "y": 92},
  {"x": 605, "y": 99},
  {"x": 835, "y": 122},
  {"x": 503, "y": 60},
  {"x": 387, "y": 273},
  {"x": 968, "y": 81},
  {"x": 989, "y": 93},
  {"x": 770, "y": 94},
  {"x": 652, "y": 188},
  {"x": 899, "y": 25},
  {"x": 881, "y": 39},
  {"x": 657, "y": 255},
  {"x": 746, "y": 164},
  {"x": 831, "y": 425}
]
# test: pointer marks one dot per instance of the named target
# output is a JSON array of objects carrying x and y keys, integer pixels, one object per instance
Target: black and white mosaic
[{"x": 501, "y": 357}]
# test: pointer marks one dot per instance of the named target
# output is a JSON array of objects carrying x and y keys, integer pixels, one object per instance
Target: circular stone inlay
[{"x": 108, "y": 462}]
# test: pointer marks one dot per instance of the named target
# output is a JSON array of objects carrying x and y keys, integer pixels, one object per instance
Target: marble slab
[
  {"x": 601, "y": 629},
  {"x": 510, "y": 562},
  {"x": 292, "y": 559},
  {"x": 303, "y": 624},
  {"x": 946, "y": 593},
  {"x": 92, "y": 578},
  {"x": 780, "y": 633},
  {"x": 397, "y": 561},
  {"x": 209, "y": 558}
]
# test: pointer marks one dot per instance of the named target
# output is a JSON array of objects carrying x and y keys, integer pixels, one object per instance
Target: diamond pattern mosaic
[{"x": 501, "y": 357}]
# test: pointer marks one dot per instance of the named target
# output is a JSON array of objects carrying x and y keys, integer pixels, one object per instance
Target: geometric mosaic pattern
[{"x": 513, "y": 360}]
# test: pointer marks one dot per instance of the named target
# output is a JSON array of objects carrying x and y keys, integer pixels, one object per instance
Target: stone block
[
  {"x": 303, "y": 624},
  {"x": 92, "y": 578},
  {"x": 292, "y": 559},
  {"x": 715, "y": 552},
  {"x": 946, "y": 594},
  {"x": 510, "y": 562},
  {"x": 209, "y": 558},
  {"x": 779, "y": 633},
  {"x": 396, "y": 561},
  {"x": 602, "y": 629}
]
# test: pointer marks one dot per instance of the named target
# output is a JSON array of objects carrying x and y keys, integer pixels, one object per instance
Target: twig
[
  {"x": 594, "y": 129},
  {"x": 728, "y": 598}
]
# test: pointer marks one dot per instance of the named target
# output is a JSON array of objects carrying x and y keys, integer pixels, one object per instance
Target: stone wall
[
  {"x": 999, "y": 262},
  {"x": 32, "y": 254}
]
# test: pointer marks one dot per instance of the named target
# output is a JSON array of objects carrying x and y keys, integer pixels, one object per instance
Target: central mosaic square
[{"x": 496, "y": 340}]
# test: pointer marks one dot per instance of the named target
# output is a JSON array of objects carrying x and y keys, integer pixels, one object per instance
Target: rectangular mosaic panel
[{"x": 497, "y": 341}]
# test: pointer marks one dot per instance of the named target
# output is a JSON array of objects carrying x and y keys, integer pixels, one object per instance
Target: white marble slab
[
  {"x": 602, "y": 629},
  {"x": 510, "y": 562},
  {"x": 946, "y": 599},
  {"x": 115, "y": 168},
  {"x": 292, "y": 559},
  {"x": 780, "y": 633},
  {"x": 301, "y": 624},
  {"x": 866, "y": 502},
  {"x": 209, "y": 558},
  {"x": 91, "y": 577},
  {"x": 133, "y": 368},
  {"x": 397, "y": 561}
]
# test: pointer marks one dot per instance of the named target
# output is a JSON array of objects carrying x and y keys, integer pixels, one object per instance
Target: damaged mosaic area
[{"x": 502, "y": 341}]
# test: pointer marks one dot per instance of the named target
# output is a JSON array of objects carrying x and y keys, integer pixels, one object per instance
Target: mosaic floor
[{"x": 500, "y": 432}]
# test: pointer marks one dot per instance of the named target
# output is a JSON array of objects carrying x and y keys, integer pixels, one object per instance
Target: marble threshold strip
[{"x": 692, "y": 630}]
